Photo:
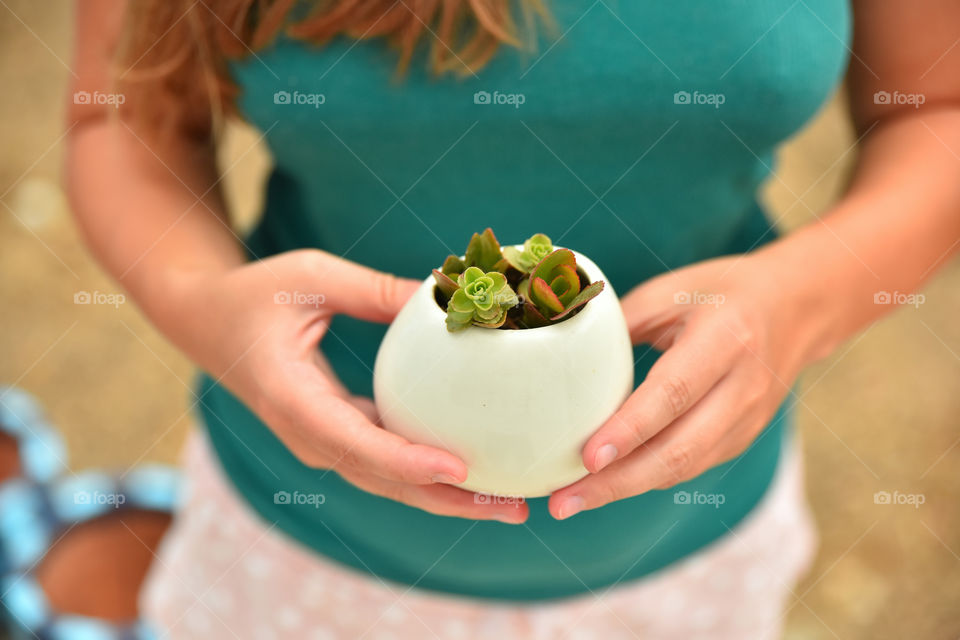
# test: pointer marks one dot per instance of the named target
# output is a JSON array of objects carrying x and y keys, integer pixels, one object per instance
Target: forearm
[
  {"x": 151, "y": 223},
  {"x": 898, "y": 222}
]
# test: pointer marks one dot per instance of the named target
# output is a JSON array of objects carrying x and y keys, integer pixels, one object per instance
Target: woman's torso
[{"x": 643, "y": 132}]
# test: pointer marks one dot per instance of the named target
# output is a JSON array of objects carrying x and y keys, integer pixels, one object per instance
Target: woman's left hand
[{"x": 735, "y": 333}]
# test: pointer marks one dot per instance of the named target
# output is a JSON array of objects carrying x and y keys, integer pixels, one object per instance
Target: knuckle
[
  {"x": 345, "y": 455},
  {"x": 386, "y": 290},
  {"x": 637, "y": 430},
  {"x": 735, "y": 451},
  {"x": 313, "y": 258},
  {"x": 289, "y": 431},
  {"x": 759, "y": 391},
  {"x": 686, "y": 476},
  {"x": 763, "y": 384},
  {"x": 311, "y": 458},
  {"x": 308, "y": 260},
  {"x": 678, "y": 460},
  {"x": 405, "y": 464},
  {"x": 676, "y": 395},
  {"x": 669, "y": 483},
  {"x": 397, "y": 493},
  {"x": 263, "y": 405},
  {"x": 613, "y": 489},
  {"x": 754, "y": 398},
  {"x": 744, "y": 330},
  {"x": 633, "y": 426}
]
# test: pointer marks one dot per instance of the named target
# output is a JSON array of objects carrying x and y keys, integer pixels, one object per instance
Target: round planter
[{"x": 516, "y": 405}]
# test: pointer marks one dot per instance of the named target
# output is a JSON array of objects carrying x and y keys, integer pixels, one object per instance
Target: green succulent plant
[
  {"x": 479, "y": 289},
  {"x": 553, "y": 290},
  {"x": 481, "y": 298},
  {"x": 535, "y": 249},
  {"x": 483, "y": 252}
]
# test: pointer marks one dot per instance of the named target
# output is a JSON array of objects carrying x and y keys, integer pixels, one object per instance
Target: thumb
[{"x": 366, "y": 293}]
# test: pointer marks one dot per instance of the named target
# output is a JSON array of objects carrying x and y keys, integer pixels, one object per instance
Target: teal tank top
[{"x": 640, "y": 138}]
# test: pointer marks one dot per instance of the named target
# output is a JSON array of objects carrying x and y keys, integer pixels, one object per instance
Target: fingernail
[
  {"x": 445, "y": 478},
  {"x": 605, "y": 455},
  {"x": 571, "y": 506}
]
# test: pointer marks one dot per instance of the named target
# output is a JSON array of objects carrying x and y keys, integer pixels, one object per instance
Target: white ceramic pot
[{"x": 516, "y": 405}]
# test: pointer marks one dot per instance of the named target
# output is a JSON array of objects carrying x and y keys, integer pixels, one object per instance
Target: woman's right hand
[
  {"x": 150, "y": 209},
  {"x": 256, "y": 327}
]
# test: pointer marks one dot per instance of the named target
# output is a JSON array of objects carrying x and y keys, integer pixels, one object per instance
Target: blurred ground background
[{"x": 883, "y": 414}]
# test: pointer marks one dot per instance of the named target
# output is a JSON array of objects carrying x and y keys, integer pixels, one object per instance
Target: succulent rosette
[
  {"x": 481, "y": 299},
  {"x": 483, "y": 252},
  {"x": 535, "y": 249},
  {"x": 478, "y": 289},
  {"x": 554, "y": 290}
]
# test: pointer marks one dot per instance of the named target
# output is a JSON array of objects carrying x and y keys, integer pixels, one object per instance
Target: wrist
[
  {"x": 171, "y": 297},
  {"x": 814, "y": 292}
]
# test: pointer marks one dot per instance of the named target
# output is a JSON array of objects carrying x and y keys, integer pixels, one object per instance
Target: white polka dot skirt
[{"x": 222, "y": 573}]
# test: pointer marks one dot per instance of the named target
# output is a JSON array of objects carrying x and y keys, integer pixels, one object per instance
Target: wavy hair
[{"x": 173, "y": 54}]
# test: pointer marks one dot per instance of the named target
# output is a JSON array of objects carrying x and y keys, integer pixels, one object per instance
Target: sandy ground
[{"x": 883, "y": 414}]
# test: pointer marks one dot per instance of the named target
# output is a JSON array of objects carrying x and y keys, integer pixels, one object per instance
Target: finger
[
  {"x": 348, "y": 438},
  {"x": 364, "y": 404},
  {"x": 651, "y": 312},
  {"x": 748, "y": 410},
  {"x": 678, "y": 379},
  {"x": 326, "y": 369},
  {"x": 737, "y": 441},
  {"x": 362, "y": 292},
  {"x": 441, "y": 499},
  {"x": 366, "y": 407},
  {"x": 660, "y": 338},
  {"x": 325, "y": 430},
  {"x": 679, "y": 452}
]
